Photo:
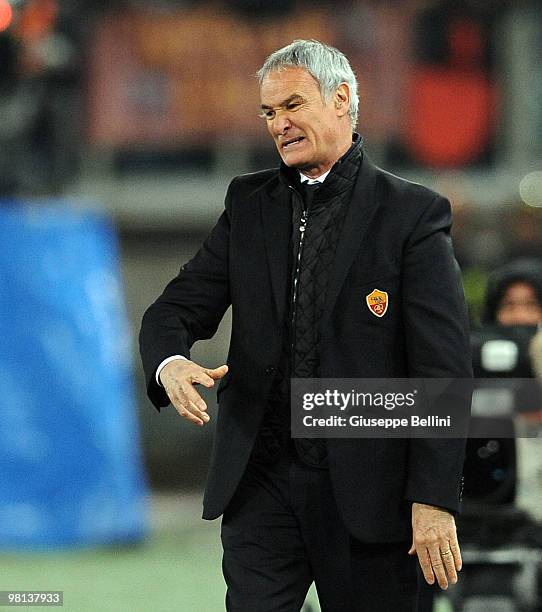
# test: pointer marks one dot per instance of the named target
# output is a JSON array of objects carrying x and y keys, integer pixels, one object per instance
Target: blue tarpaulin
[{"x": 70, "y": 466}]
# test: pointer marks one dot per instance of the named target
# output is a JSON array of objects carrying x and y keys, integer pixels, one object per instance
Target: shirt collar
[{"x": 310, "y": 181}]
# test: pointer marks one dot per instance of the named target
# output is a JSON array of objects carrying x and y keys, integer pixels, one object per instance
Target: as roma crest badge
[{"x": 378, "y": 302}]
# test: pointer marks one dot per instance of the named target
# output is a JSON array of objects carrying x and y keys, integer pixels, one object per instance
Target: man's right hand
[{"x": 179, "y": 377}]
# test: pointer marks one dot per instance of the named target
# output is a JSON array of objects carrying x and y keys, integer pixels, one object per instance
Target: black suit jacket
[{"x": 395, "y": 238}]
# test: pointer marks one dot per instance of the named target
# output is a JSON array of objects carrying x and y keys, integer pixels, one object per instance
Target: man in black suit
[{"x": 301, "y": 253}]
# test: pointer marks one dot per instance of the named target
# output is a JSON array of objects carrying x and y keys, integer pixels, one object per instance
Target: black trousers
[{"x": 282, "y": 531}]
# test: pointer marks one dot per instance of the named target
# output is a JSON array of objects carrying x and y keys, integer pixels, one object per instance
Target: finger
[
  {"x": 188, "y": 407},
  {"x": 198, "y": 413},
  {"x": 188, "y": 391},
  {"x": 412, "y": 548},
  {"x": 456, "y": 552},
  {"x": 185, "y": 413},
  {"x": 196, "y": 410},
  {"x": 449, "y": 565},
  {"x": 425, "y": 563},
  {"x": 438, "y": 566},
  {"x": 217, "y": 372},
  {"x": 203, "y": 379}
]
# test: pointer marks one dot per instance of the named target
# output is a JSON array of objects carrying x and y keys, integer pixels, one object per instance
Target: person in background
[
  {"x": 514, "y": 294},
  {"x": 514, "y": 297}
]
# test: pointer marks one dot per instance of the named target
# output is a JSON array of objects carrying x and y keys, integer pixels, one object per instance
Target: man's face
[
  {"x": 309, "y": 134},
  {"x": 519, "y": 306}
]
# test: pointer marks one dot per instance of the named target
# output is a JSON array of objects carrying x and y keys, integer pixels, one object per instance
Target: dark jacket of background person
[{"x": 395, "y": 239}]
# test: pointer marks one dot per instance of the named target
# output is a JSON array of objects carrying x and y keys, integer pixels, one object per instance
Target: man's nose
[{"x": 281, "y": 124}]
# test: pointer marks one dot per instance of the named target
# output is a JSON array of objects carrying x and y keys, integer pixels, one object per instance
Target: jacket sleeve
[
  {"x": 438, "y": 346},
  {"x": 191, "y": 306}
]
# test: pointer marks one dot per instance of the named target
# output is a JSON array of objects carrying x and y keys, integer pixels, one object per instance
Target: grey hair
[{"x": 326, "y": 64}]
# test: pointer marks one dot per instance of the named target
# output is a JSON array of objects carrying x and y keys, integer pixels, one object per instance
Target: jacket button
[{"x": 270, "y": 369}]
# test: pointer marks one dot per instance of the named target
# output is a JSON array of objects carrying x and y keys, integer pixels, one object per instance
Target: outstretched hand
[{"x": 179, "y": 378}]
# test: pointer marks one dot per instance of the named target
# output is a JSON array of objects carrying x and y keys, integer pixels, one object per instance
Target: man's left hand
[{"x": 434, "y": 538}]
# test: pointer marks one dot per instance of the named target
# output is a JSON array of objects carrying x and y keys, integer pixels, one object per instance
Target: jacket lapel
[
  {"x": 361, "y": 210},
  {"x": 277, "y": 222}
]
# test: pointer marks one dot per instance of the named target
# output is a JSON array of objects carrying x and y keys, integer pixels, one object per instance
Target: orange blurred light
[
  {"x": 37, "y": 18},
  {"x": 6, "y": 15}
]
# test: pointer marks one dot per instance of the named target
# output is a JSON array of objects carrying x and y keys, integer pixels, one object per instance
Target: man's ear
[{"x": 342, "y": 99}]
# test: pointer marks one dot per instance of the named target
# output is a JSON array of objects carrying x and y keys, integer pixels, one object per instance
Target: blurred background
[{"x": 121, "y": 125}]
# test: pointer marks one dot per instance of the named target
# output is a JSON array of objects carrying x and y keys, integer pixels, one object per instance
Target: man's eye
[
  {"x": 293, "y": 105},
  {"x": 267, "y": 114}
]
